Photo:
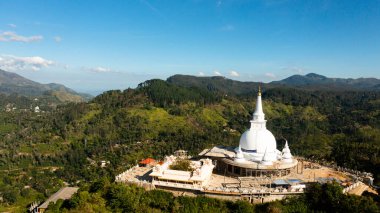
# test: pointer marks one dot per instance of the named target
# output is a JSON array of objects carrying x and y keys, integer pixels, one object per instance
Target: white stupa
[
  {"x": 286, "y": 155},
  {"x": 239, "y": 156},
  {"x": 257, "y": 154},
  {"x": 258, "y": 144},
  {"x": 266, "y": 159}
]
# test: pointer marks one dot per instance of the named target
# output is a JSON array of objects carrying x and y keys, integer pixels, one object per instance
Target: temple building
[
  {"x": 255, "y": 170},
  {"x": 197, "y": 178},
  {"x": 257, "y": 153}
]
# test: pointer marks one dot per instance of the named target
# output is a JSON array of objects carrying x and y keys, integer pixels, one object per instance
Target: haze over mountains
[{"x": 14, "y": 83}]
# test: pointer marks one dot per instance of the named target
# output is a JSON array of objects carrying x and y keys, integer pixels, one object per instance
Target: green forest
[
  {"x": 64, "y": 144},
  {"x": 103, "y": 196}
]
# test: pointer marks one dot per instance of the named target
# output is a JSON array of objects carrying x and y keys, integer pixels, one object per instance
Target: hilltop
[
  {"x": 316, "y": 81},
  {"x": 13, "y": 83},
  {"x": 310, "y": 81}
]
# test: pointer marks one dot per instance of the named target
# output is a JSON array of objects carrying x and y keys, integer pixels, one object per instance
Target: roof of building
[
  {"x": 293, "y": 181},
  {"x": 280, "y": 182},
  {"x": 218, "y": 151},
  {"x": 64, "y": 194},
  {"x": 147, "y": 161}
]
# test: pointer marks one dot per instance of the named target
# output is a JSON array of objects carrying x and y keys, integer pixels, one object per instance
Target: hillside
[
  {"x": 40, "y": 151},
  {"x": 315, "y": 81},
  {"x": 215, "y": 84},
  {"x": 14, "y": 83},
  {"x": 310, "y": 81}
]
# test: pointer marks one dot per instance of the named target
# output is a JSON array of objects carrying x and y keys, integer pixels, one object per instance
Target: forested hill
[
  {"x": 11, "y": 83},
  {"x": 315, "y": 81},
  {"x": 216, "y": 84},
  {"x": 342, "y": 126},
  {"x": 311, "y": 81},
  {"x": 40, "y": 151}
]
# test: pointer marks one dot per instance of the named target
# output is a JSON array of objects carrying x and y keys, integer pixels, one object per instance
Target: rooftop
[
  {"x": 218, "y": 151},
  {"x": 64, "y": 194},
  {"x": 147, "y": 161}
]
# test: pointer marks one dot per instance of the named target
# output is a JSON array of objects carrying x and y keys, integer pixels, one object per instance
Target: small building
[
  {"x": 162, "y": 175},
  {"x": 104, "y": 163},
  {"x": 37, "y": 109},
  {"x": 147, "y": 162},
  {"x": 288, "y": 183},
  {"x": 281, "y": 183}
]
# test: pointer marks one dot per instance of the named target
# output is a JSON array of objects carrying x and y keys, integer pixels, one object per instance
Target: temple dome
[{"x": 258, "y": 140}]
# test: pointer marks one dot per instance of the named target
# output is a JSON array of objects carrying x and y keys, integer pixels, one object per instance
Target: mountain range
[
  {"x": 310, "y": 81},
  {"x": 316, "y": 81},
  {"x": 13, "y": 83}
]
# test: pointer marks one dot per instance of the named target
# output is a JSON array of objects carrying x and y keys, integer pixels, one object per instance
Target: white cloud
[
  {"x": 12, "y": 25},
  {"x": 10, "y": 36},
  {"x": 100, "y": 69},
  {"x": 201, "y": 74},
  {"x": 270, "y": 75},
  {"x": 57, "y": 39},
  {"x": 14, "y": 63},
  {"x": 216, "y": 72},
  {"x": 233, "y": 73},
  {"x": 227, "y": 27}
]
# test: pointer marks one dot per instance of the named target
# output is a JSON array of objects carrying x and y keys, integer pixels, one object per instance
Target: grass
[
  {"x": 22, "y": 202},
  {"x": 181, "y": 165},
  {"x": 159, "y": 120},
  {"x": 67, "y": 97},
  {"x": 212, "y": 118},
  {"x": 7, "y": 128}
]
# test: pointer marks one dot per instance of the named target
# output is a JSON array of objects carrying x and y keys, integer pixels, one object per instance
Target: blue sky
[{"x": 92, "y": 46}]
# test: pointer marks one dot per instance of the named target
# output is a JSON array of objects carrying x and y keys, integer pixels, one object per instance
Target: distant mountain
[
  {"x": 315, "y": 81},
  {"x": 215, "y": 83},
  {"x": 14, "y": 83},
  {"x": 310, "y": 81}
]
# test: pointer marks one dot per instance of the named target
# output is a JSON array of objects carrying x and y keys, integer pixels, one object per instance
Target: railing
[
  {"x": 176, "y": 185},
  {"x": 255, "y": 190},
  {"x": 126, "y": 176},
  {"x": 34, "y": 206},
  {"x": 351, "y": 187}
]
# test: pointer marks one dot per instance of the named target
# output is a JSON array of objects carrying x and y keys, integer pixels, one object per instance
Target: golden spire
[{"x": 259, "y": 93}]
